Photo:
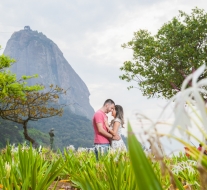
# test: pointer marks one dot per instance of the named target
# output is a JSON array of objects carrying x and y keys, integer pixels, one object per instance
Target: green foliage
[
  {"x": 13, "y": 133},
  {"x": 36, "y": 105},
  {"x": 145, "y": 176},
  {"x": 111, "y": 172},
  {"x": 161, "y": 62},
  {"x": 25, "y": 168},
  {"x": 9, "y": 85}
]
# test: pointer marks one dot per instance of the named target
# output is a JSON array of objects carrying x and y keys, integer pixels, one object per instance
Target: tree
[
  {"x": 35, "y": 106},
  {"x": 161, "y": 62},
  {"x": 9, "y": 85}
]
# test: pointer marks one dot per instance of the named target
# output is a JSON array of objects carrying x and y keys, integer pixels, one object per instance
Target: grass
[{"x": 23, "y": 167}]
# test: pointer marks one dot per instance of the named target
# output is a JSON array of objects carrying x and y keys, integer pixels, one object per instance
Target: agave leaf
[
  {"x": 34, "y": 175},
  {"x": 145, "y": 176},
  {"x": 50, "y": 174},
  {"x": 178, "y": 183}
]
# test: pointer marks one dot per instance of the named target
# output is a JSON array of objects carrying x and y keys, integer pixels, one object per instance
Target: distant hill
[
  {"x": 70, "y": 129},
  {"x": 36, "y": 54}
]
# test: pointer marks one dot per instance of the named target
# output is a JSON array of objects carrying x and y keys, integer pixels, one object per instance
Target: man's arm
[{"x": 105, "y": 133}]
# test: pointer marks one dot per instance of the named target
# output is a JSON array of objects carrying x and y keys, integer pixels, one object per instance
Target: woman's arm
[{"x": 116, "y": 127}]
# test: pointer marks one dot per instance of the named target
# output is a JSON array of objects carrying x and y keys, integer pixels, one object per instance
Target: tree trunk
[{"x": 26, "y": 136}]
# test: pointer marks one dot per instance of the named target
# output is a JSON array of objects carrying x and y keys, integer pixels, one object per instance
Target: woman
[{"x": 115, "y": 128}]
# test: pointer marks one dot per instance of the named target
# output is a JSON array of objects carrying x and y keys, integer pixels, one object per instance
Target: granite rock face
[{"x": 36, "y": 54}]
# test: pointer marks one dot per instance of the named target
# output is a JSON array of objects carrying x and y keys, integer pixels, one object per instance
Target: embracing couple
[{"x": 106, "y": 136}]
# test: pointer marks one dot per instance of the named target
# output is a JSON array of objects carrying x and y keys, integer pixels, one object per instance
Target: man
[
  {"x": 200, "y": 149},
  {"x": 101, "y": 136}
]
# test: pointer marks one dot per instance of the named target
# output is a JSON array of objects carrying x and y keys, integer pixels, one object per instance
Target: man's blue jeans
[{"x": 101, "y": 149}]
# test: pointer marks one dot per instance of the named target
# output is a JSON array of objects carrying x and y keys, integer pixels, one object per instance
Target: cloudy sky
[{"x": 90, "y": 34}]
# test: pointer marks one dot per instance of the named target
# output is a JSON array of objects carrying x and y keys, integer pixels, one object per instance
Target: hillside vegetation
[
  {"x": 13, "y": 133},
  {"x": 70, "y": 129}
]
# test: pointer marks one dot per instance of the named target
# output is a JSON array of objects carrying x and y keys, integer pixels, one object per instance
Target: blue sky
[{"x": 90, "y": 34}]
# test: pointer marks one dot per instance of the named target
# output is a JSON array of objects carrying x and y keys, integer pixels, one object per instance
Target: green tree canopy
[
  {"x": 162, "y": 61},
  {"x": 9, "y": 84}
]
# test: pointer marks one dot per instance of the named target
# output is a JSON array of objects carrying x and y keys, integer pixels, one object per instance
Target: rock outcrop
[{"x": 36, "y": 54}]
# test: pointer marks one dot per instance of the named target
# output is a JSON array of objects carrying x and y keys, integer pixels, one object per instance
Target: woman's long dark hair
[{"x": 120, "y": 113}]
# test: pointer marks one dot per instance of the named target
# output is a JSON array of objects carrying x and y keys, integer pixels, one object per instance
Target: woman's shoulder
[{"x": 117, "y": 119}]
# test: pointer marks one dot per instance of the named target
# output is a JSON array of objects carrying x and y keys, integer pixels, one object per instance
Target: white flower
[
  {"x": 188, "y": 165},
  {"x": 189, "y": 100},
  {"x": 40, "y": 149},
  {"x": 81, "y": 149},
  {"x": 70, "y": 148},
  {"x": 8, "y": 169}
]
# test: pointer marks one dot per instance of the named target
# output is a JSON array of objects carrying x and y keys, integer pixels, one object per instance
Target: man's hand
[
  {"x": 106, "y": 124},
  {"x": 116, "y": 137}
]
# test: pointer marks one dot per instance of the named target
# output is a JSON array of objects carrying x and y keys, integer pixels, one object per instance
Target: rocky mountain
[{"x": 36, "y": 54}]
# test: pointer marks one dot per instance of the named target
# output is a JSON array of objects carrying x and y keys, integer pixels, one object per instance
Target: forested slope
[{"x": 70, "y": 129}]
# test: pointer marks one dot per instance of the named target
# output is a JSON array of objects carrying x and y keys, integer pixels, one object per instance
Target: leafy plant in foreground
[{"x": 26, "y": 169}]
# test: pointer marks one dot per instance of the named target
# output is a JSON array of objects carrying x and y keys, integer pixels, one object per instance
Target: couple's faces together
[{"x": 111, "y": 108}]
